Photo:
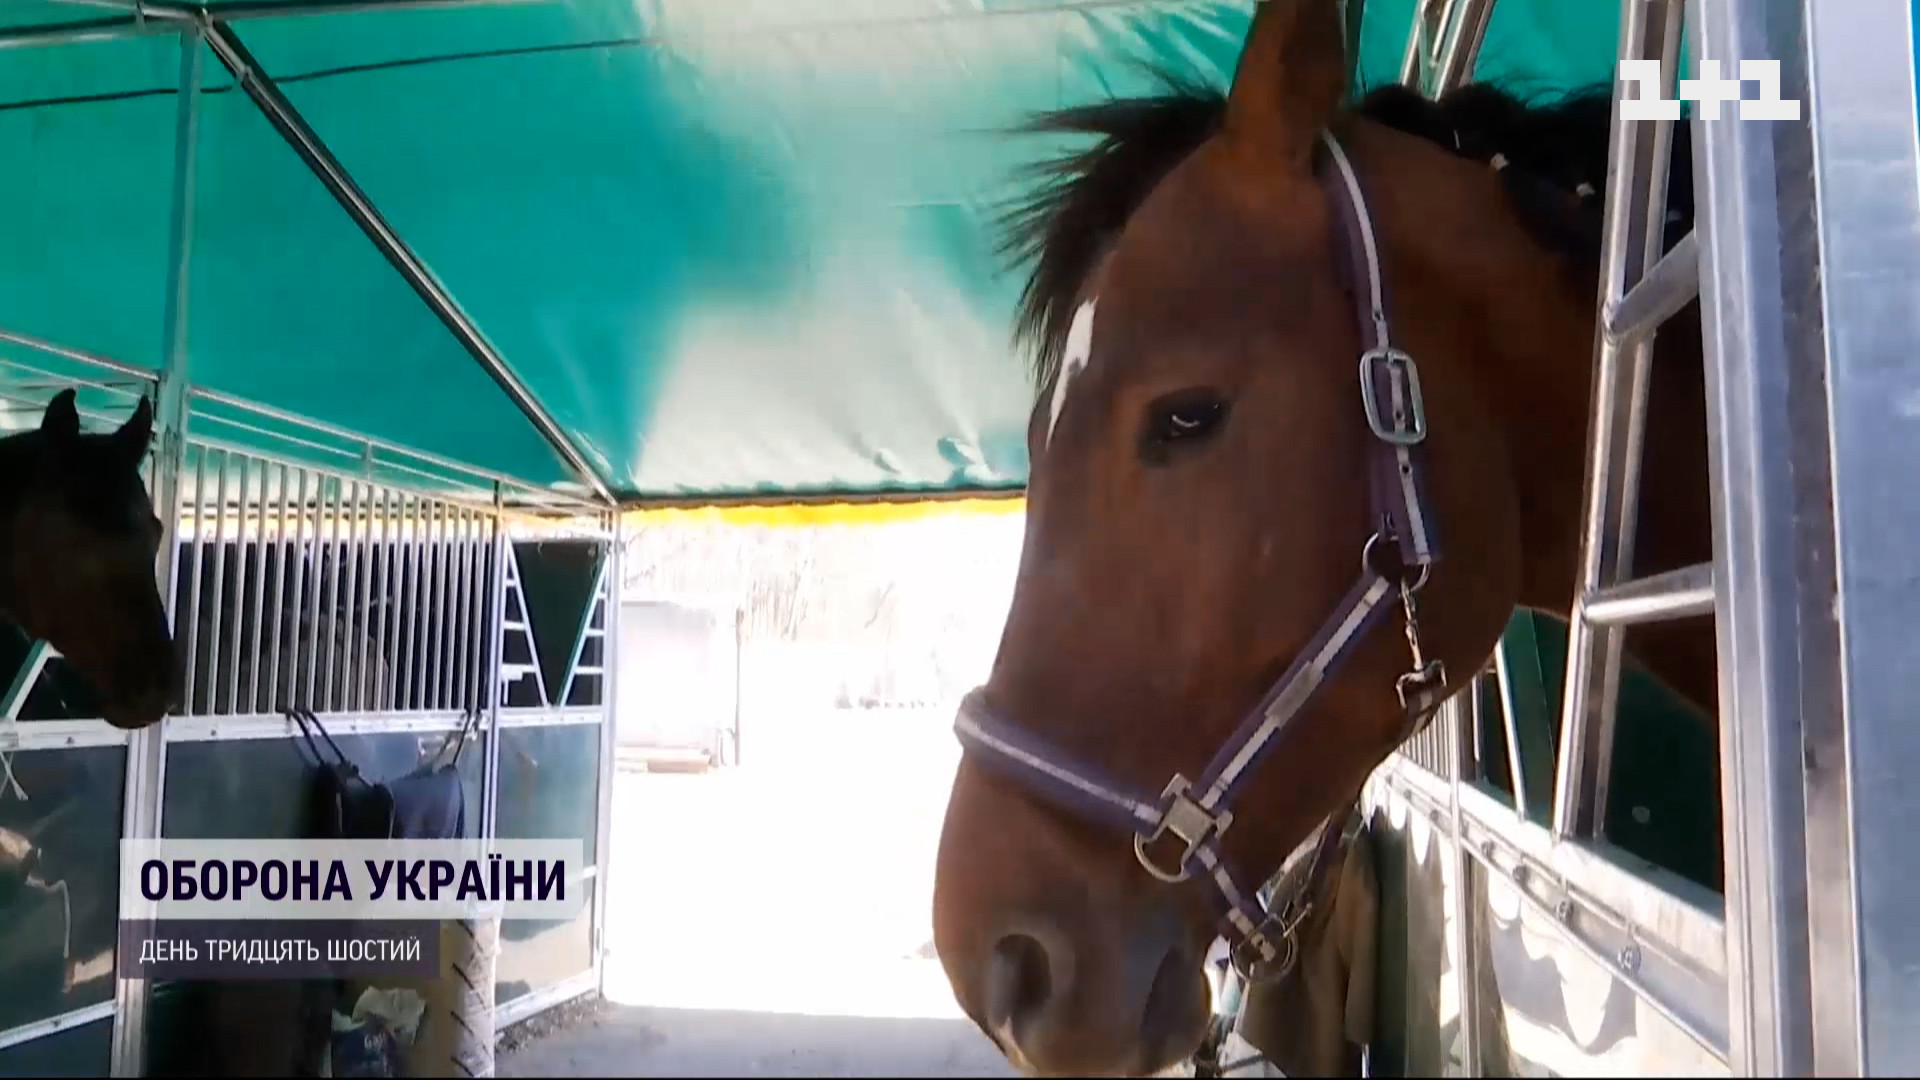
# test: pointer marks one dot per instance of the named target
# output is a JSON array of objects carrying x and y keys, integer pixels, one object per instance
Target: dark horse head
[
  {"x": 78, "y": 540},
  {"x": 1203, "y": 490}
]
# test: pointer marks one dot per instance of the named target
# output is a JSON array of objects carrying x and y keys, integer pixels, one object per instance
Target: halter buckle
[
  {"x": 1183, "y": 816},
  {"x": 1409, "y": 421}
]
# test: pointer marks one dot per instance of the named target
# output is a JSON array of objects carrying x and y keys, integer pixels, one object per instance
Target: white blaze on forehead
[{"x": 1073, "y": 359}]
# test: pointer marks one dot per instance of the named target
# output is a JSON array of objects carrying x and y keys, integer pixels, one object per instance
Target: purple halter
[{"x": 1196, "y": 813}]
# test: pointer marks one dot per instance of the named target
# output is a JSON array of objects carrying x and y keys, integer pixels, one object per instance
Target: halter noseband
[{"x": 1196, "y": 813}]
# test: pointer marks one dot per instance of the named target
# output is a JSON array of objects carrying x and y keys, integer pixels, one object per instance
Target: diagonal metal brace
[
  {"x": 293, "y": 128},
  {"x": 10, "y": 706}
]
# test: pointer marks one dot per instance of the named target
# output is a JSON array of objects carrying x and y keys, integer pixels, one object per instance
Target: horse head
[
  {"x": 1284, "y": 348},
  {"x": 77, "y": 555}
]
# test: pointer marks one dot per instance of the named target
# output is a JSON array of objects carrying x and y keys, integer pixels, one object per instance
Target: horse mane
[{"x": 1552, "y": 156}]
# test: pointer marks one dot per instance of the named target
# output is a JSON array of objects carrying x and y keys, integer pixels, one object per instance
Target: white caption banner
[{"x": 352, "y": 879}]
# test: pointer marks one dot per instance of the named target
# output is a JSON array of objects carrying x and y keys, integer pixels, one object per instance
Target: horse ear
[
  {"x": 136, "y": 434},
  {"x": 1292, "y": 78},
  {"x": 62, "y": 418}
]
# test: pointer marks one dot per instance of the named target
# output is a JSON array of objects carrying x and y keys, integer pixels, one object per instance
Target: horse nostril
[{"x": 1019, "y": 982}]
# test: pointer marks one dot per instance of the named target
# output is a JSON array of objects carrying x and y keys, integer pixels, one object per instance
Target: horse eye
[{"x": 1183, "y": 419}]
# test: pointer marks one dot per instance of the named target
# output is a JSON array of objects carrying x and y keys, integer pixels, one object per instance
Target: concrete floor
[
  {"x": 639, "y": 1041},
  {"x": 745, "y": 935}
]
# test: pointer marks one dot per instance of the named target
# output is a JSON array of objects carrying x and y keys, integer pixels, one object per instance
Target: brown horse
[
  {"x": 1200, "y": 499},
  {"x": 78, "y": 540}
]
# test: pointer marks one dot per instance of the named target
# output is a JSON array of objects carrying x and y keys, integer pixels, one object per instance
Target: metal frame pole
[
  {"x": 1459, "y": 715},
  {"x": 610, "y": 579},
  {"x": 146, "y": 748},
  {"x": 1773, "y": 524},
  {"x": 293, "y": 128},
  {"x": 224, "y": 10},
  {"x": 1861, "y": 758},
  {"x": 77, "y": 32},
  {"x": 496, "y": 653}
]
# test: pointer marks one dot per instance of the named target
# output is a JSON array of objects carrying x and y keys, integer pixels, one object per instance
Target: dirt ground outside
[{"x": 772, "y": 919}]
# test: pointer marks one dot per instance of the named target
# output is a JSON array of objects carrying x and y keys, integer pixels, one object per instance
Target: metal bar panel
[
  {"x": 340, "y": 596},
  {"x": 463, "y": 622},
  {"x": 1861, "y": 763},
  {"x": 260, "y": 87},
  {"x": 1673, "y": 283},
  {"x": 287, "y": 550},
  {"x": 327, "y": 585},
  {"x": 383, "y": 601},
  {"x": 449, "y": 523},
  {"x": 434, "y": 662},
  {"x": 146, "y": 748},
  {"x": 257, "y": 548},
  {"x": 1635, "y": 209},
  {"x": 360, "y": 590},
  {"x": 416, "y": 552},
  {"x": 469, "y": 475},
  {"x": 1676, "y": 594},
  {"x": 219, "y": 582},
  {"x": 239, "y": 602},
  {"x": 1765, "y": 383},
  {"x": 192, "y": 627},
  {"x": 307, "y": 608}
]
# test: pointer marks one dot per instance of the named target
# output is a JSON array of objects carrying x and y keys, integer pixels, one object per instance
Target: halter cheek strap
[{"x": 1177, "y": 832}]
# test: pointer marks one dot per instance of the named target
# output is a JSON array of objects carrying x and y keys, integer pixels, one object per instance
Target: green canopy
[{"x": 731, "y": 247}]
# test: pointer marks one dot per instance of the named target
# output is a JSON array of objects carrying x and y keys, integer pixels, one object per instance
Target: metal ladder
[
  {"x": 1640, "y": 288},
  {"x": 593, "y": 628},
  {"x": 519, "y": 656}
]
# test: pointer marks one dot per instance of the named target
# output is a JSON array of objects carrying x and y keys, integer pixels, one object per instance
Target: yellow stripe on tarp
[{"x": 801, "y": 515}]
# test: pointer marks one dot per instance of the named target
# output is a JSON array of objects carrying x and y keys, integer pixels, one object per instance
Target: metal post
[
  {"x": 1459, "y": 719},
  {"x": 260, "y": 87},
  {"x": 1773, "y": 523},
  {"x": 1863, "y": 756},
  {"x": 496, "y": 652},
  {"x": 609, "y": 728},
  {"x": 146, "y": 748}
]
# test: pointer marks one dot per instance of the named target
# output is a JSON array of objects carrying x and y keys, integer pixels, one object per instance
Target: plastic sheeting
[{"x": 736, "y": 247}]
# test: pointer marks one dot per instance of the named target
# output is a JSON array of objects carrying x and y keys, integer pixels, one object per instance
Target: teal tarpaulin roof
[{"x": 733, "y": 247}]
